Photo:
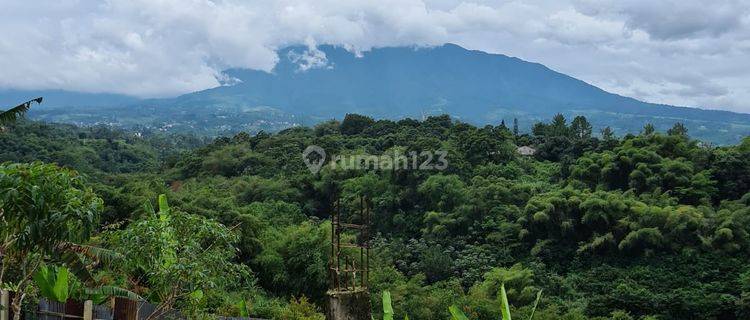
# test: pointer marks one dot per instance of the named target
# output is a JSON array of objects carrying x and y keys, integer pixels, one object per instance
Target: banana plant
[
  {"x": 53, "y": 283},
  {"x": 242, "y": 306},
  {"x": 457, "y": 314},
  {"x": 388, "y": 307},
  {"x": 58, "y": 284}
]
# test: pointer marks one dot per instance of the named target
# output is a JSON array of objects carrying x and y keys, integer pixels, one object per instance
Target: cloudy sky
[{"x": 682, "y": 52}]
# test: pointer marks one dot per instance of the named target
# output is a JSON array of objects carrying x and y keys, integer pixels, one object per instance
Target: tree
[
  {"x": 678, "y": 129},
  {"x": 355, "y": 124},
  {"x": 45, "y": 211},
  {"x": 648, "y": 129},
  {"x": 581, "y": 127},
  {"x": 558, "y": 127},
  {"x": 179, "y": 256},
  {"x": 443, "y": 192},
  {"x": 731, "y": 170},
  {"x": 330, "y": 127},
  {"x": 294, "y": 260}
]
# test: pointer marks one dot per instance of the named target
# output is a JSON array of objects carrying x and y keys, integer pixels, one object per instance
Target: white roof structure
[{"x": 526, "y": 151}]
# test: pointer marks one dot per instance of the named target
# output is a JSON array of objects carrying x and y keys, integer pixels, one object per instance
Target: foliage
[
  {"x": 457, "y": 314},
  {"x": 52, "y": 283},
  {"x": 631, "y": 227},
  {"x": 294, "y": 260},
  {"x": 45, "y": 212},
  {"x": 178, "y": 255},
  {"x": 14, "y": 113},
  {"x": 387, "y": 306}
]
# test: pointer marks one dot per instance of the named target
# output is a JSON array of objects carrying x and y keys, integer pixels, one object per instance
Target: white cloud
[
  {"x": 310, "y": 58},
  {"x": 685, "y": 52}
]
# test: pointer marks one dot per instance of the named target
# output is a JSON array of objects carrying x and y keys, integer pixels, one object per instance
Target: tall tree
[
  {"x": 559, "y": 126},
  {"x": 581, "y": 127},
  {"x": 678, "y": 129},
  {"x": 648, "y": 129},
  {"x": 45, "y": 210}
]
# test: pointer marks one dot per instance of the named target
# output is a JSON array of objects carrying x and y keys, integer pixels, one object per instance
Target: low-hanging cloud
[{"x": 162, "y": 48}]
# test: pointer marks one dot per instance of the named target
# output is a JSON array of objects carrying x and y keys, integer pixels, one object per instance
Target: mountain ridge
[
  {"x": 284, "y": 66},
  {"x": 324, "y": 82}
]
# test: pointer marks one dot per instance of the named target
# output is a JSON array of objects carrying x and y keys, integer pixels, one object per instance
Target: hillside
[{"x": 610, "y": 229}]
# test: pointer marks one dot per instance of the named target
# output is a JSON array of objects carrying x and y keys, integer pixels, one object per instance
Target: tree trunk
[{"x": 16, "y": 305}]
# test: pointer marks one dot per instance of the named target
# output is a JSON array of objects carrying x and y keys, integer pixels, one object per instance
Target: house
[{"x": 526, "y": 151}]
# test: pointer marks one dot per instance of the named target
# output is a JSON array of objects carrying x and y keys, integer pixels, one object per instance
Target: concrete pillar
[
  {"x": 88, "y": 310},
  {"x": 4, "y": 305},
  {"x": 349, "y": 305}
]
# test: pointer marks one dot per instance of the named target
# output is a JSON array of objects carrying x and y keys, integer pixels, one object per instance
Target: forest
[{"x": 647, "y": 226}]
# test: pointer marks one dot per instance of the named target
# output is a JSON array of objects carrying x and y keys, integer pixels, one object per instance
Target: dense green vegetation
[{"x": 650, "y": 225}]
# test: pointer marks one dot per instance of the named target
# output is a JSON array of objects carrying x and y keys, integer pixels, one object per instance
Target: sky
[{"x": 680, "y": 52}]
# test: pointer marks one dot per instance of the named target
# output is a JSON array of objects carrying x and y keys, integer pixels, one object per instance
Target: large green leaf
[
  {"x": 387, "y": 307},
  {"x": 504, "y": 305},
  {"x": 456, "y": 313},
  {"x": 169, "y": 256},
  {"x": 44, "y": 282},
  {"x": 77, "y": 266},
  {"x": 163, "y": 207},
  {"x": 148, "y": 208},
  {"x": 61, "y": 288},
  {"x": 111, "y": 291},
  {"x": 242, "y": 305},
  {"x": 103, "y": 255},
  {"x": 536, "y": 303},
  {"x": 52, "y": 283}
]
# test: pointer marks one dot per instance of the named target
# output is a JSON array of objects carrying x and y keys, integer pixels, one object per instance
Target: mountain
[
  {"x": 309, "y": 85},
  {"x": 474, "y": 86}
]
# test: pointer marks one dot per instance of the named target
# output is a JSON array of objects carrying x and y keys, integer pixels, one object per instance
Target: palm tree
[{"x": 13, "y": 114}]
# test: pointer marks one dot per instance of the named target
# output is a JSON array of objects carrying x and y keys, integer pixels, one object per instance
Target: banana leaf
[
  {"x": 53, "y": 283},
  {"x": 536, "y": 303},
  {"x": 504, "y": 305},
  {"x": 387, "y": 307},
  {"x": 14, "y": 113},
  {"x": 456, "y": 313}
]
